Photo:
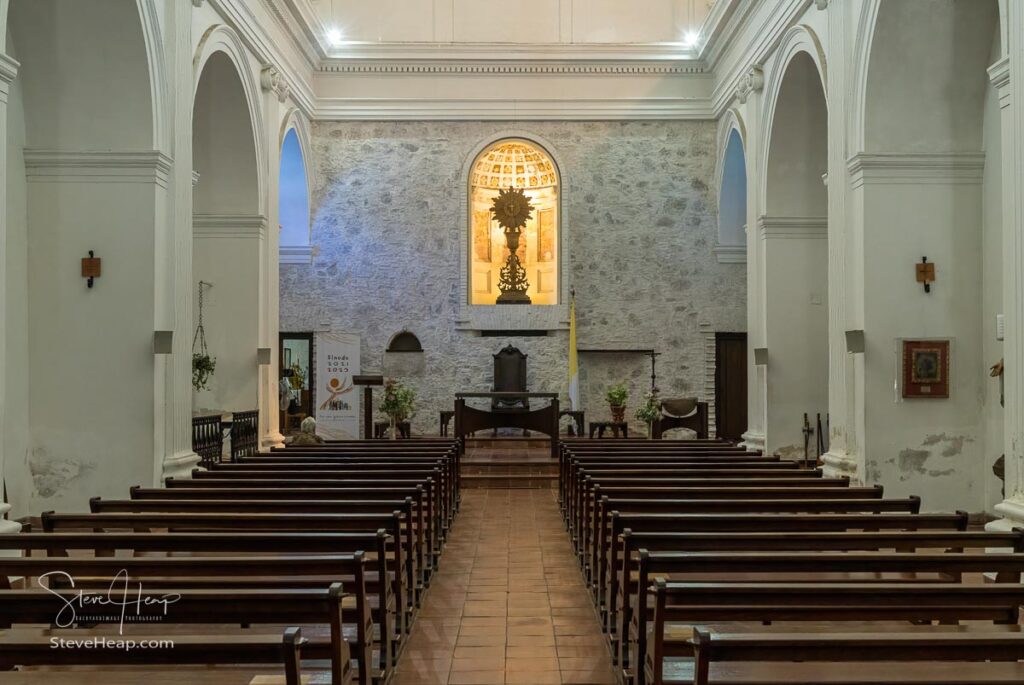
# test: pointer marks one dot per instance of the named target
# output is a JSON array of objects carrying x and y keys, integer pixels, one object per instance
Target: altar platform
[{"x": 509, "y": 462}]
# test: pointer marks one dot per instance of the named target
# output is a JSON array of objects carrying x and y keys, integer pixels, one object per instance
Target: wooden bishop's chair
[{"x": 510, "y": 376}]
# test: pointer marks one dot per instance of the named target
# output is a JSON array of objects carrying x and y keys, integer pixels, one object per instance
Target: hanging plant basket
[{"x": 203, "y": 365}]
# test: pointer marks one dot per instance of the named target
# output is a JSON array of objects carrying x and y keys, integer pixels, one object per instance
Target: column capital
[{"x": 8, "y": 67}]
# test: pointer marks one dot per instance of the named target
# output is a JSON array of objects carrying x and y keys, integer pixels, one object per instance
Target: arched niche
[
  {"x": 926, "y": 79},
  {"x": 522, "y": 164},
  {"x": 293, "y": 187},
  {"x": 83, "y": 172},
  {"x": 732, "y": 201},
  {"x": 405, "y": 341},
  {"x": 797, "y": 157},
  {"x": 793, "y": 235},
  {"x": 229, "y": 228},
  {"x": 404, "y": 356}
]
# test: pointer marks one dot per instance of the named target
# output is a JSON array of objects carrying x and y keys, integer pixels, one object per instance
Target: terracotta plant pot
[{"x": 619, "y": 414}]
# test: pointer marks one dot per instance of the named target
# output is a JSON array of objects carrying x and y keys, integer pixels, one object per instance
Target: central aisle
[{"x": 508, "y": 604}]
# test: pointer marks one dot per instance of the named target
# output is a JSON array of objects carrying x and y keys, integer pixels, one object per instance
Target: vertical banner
[{"x": 337, "y": 399}]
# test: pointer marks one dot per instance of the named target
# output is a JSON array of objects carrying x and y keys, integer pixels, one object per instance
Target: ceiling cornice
[{"x": 531, "y": 68}]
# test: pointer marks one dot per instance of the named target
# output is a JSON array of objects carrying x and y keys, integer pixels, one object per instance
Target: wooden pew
[
  {"x": 63, "y": 608},
  {"x": 224, "y": 572},
  {"x": 593, "y": 490},
  {"x": 596, "y": 542},
  {"x": 745, "y": 565},
  {"x": 30, "y": 649},
  {"x": 417, "y": 538},
  {"x": 903, "y": 655},
  {"x": 364, "y": 515},
  {"x": 624, "y": 559},
  {"x": 440, "y": 495},
  {"x": 572, "y": 471},
  {"x": 392, "y": 612},
  {"x": 577, "y": 472}
]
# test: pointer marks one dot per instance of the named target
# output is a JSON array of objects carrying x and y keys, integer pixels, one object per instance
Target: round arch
[
  {"x": 544, "y": 145},
  {"x": 223, "y": 40},
  {"x": 294, "y": 142},
  {"x": 938, "y": 113},
  {"x": 732, "y": 193},
  {"x": 797, "y": 41}
]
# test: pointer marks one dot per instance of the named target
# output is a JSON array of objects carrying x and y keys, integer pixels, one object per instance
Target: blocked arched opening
[
  {"x": 81, "y": 175},
  {"x": 228, "y": 229},
  {"x": 930, "y": 184},
  {"x": 794, "y": 234}
]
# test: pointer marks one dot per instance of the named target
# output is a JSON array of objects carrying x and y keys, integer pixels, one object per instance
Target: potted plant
[
  {"x": 203, "y": 366},
  {"x": 397, "y": 404},
  {"x": 650, "y": 411},
  {"x": 617, "y": 396}
]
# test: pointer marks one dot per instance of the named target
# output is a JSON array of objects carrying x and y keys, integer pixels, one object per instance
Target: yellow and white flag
[{"x": 574, "y": 371}]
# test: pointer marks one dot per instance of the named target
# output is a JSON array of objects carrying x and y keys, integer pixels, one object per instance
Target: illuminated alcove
[{"x": 518, "y": 163}]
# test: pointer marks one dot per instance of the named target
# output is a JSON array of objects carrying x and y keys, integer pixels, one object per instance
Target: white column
[
  {"x": 276, "y": 93},
  {"x": 842, "y": 457},
  {"x": 179, "y": 457},
  {"x": 8, "y": 71},
  {"x": 1003, "y": 74},
  {"x": 749, "y": 96}
]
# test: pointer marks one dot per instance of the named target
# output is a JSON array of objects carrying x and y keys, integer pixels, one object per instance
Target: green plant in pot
[
  {"x": 398, "y": 404},
  {"x": 203, "y": 366},
  {"x": 650, "y": 411},
  {"x": 617, "y": 396}
]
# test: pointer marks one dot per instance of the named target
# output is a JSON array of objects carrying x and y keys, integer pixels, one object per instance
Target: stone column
[
  {"x": 8, "y": 72},
  {"x": 179, "y": 457}
]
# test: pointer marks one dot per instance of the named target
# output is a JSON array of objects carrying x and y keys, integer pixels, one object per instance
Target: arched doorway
[
  {"x": 81, "y": 174},
  {"x": 229, "y": 230},
  {"x": 794, "y": 235},
  {"x": 928, "y": 184}
]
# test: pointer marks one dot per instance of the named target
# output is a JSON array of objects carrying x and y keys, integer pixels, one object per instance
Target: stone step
[{"x": 511, "y": 482}]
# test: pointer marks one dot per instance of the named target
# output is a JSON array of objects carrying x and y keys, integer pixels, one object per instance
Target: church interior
[{"x": 550, "y": 341}]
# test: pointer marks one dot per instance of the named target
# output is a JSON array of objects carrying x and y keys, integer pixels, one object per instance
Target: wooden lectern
[{"x": 368, "y": 382}]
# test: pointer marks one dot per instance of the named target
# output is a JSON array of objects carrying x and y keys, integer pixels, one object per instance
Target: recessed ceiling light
[
  {"x": 691, "y": 38},
  {"x": 335, "y": 36}
]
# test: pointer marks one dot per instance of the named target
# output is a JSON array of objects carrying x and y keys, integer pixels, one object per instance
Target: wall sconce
[
  {"x": 91, "y": 268},
  {"x": 162, "y": 342},
  {"x": 263, "y": 356},
  {"x": 926, "y": 273},
  {"x": 855, "y": 342}
]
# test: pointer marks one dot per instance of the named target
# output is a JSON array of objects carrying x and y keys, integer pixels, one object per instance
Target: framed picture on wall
[{"x": 926, "y": 369}]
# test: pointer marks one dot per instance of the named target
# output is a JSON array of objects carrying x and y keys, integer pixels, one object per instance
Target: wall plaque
[{"x": 926, "y": 368}]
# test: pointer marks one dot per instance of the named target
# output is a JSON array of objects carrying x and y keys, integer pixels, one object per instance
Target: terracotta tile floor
[{"x": 508, "y": 604}]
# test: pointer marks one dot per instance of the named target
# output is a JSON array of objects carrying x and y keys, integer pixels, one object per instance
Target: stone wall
[{"x": 641, "y": 220}]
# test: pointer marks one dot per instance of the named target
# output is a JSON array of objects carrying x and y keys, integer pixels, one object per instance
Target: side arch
[{"x": 223, "y": 39}]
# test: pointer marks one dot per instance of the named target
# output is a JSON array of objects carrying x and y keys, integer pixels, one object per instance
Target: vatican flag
[{"x": 574, "y": 371}]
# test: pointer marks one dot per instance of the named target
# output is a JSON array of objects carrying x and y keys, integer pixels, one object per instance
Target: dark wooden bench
[
  {"x": 221, "y": 572},
  {"x": 67, "y": 609},
  {"x": 24, "y": 648},
  {"x": 623, "y": 574},
  {"x": 751, "y": 658},
  {"x": 374, "y": 514},
  {"x": 597, "y": 541},
  {"x": 770, "y": 567},
  {"x": 439, "y": 490}
]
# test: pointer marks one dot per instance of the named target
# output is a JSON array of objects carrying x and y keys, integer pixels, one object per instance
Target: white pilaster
[
  {"x": 1003, "y": 74},
  {"x": 270, "y": 270},
  {"x": 8, "y": 72},
  {"x": 179, "y": 458}
]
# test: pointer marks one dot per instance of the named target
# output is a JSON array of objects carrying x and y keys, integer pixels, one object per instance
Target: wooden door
[{"x": 731, "y": 384}]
